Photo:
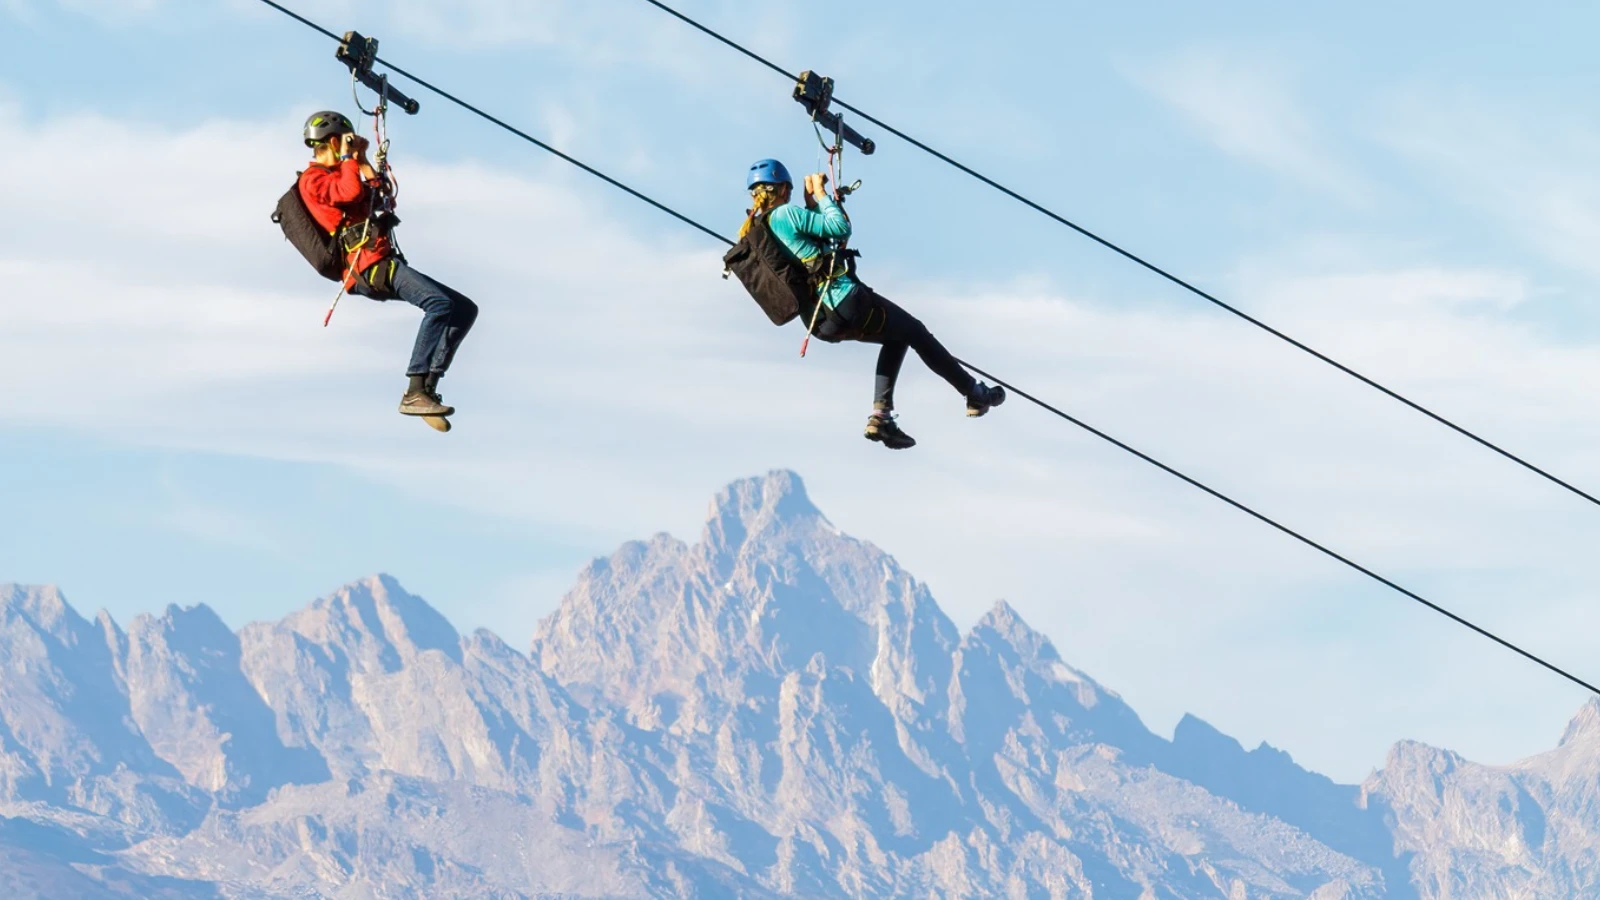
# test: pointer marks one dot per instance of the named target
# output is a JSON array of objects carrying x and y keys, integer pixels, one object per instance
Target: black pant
[{"x": 870, "y": 319}]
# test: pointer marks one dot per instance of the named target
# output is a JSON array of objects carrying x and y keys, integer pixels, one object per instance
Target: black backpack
[
  {"x": 321, "y": 249},
  {"x": 782, "y": 285}
]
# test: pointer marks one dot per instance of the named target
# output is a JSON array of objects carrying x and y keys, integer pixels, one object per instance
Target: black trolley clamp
[
  {"x": 359, "y": 53},
  {"x": 815, "y": 93}
]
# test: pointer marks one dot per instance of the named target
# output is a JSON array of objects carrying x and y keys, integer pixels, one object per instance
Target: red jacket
[{"x": 338, "y": 197}]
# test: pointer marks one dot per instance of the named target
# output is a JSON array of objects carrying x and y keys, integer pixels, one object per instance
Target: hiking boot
[
  {"x": 881, "y": 427},
  {"x": 422, "y": 403},
  {"x": 984, "y": 398}
]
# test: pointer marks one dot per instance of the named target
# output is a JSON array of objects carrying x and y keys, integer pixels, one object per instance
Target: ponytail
[{"x": 764, "y": 198}]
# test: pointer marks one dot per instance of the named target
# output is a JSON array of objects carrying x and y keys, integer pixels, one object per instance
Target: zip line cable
[
  {"x": 508, "y": 127},
  {"x": 1459, "y": 620},
  {"x": 1144, "y": 263},
  {"x": 1281, "y": 527}
]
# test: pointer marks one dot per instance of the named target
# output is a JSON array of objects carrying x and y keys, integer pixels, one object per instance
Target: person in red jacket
[{"x": 341, "y": 190}]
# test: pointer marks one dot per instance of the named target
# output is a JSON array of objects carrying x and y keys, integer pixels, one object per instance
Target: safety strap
[
  {"x": 383, "y": 195},
  {"x": 349, "y": 271}
]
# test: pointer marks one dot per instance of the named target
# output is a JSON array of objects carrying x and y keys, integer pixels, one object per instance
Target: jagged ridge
[{"x": 775, "y": 710}]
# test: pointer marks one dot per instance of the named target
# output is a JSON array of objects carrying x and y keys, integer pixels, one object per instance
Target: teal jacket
[{"x": 809, "y": 233}]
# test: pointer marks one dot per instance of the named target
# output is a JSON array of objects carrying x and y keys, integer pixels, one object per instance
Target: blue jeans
[{"x": 447, "y": 314}]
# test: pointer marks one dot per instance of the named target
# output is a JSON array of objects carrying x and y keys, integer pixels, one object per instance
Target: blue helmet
[{"x": 768, "y": 171}]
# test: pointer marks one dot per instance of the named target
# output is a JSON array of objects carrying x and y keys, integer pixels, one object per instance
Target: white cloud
[
  {"x": 1248, "y": 110},
  {"x": 615, "y": 381}
]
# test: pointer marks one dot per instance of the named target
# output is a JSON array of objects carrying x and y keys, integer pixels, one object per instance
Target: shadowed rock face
[
  {"x": 777, "y": 710},
  {"x": 191, "y": 700},
  {"x": 1527, "y": 829}
]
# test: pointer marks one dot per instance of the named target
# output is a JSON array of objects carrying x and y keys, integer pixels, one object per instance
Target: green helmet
[{"x": 326, "y": 124}]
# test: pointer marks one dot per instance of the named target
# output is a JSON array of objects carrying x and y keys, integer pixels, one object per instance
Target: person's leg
[
  {"x": 980, "y": 397},
  {"x": 854, "y": 320},
  {"x": 887, "y": 324},
  {"x": 436, "y": 304},
  {"x": 882, "y": 322},
  {"x": 463, "y": 313},
  {"x": 891, "y": 357},
  {"x": 881, "y": 426},
  {"x": 870, "y": 326},
  {"x": 859, "y": 318},
  {"x": 447, "y": 317}
]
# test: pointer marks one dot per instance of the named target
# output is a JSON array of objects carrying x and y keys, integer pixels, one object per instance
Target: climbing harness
[
  {"x": 359, "y": 53},
  {"x": 783, "y": 286}
]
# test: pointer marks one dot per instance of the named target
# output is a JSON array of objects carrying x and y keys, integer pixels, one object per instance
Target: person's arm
[
  {"x": 342, "y": 186},
  {"x": 354, "y": 145},
  {"x": 827, "y": 222}
]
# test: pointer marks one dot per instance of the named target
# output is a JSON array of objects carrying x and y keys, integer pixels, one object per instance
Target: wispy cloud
[
  {"x": 212, "y": 524},
  {"x": 616, "y": 381},
  {"x": 1248, "y": 109},
  {"x": 1534, "y": 172}
]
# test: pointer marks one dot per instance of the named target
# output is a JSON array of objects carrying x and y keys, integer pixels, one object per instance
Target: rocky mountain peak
[
  {"x": 1004, "y": 624},
  {"x": 1585, "y": 726},
  {"x": 1017, "y": 669},
  {"x": 778, "y": 494},
  {"x": 1016, "y": 645},
  {"x": 1418, "y": 763},
  {"x": 778, "y": 710},
  {"x": 196, "y": 625},
  {"x": 1200, "y": 737},
  {"x": 376, "y": 623},
  {"x": 42, "y": 605},
  {"x": 748, "y": 509},
  {"x": 675, "y": 633}
]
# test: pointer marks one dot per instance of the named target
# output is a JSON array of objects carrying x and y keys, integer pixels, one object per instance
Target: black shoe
[
  {"x": 984, "y": 398},
  {"x": 422, "y": 403},
  {"x": 881, "y": 427}
]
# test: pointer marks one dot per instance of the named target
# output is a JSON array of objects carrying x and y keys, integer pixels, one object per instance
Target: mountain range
[{"x": 776, "y": 710}]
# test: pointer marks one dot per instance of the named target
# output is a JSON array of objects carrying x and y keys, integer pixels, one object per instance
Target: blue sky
[{"x": 1411, "y": 189}]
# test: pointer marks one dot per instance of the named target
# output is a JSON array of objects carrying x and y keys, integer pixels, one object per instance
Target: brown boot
[{"x": 422, "y": 403}]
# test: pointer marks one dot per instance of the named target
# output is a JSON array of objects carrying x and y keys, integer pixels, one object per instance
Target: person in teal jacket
[{"x": 851, "y": 311}]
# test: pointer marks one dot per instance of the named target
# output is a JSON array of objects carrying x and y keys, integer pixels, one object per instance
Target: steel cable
[
  {"x": 1146, "y": 264},
  {"x": 1347, "y": 561}
]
